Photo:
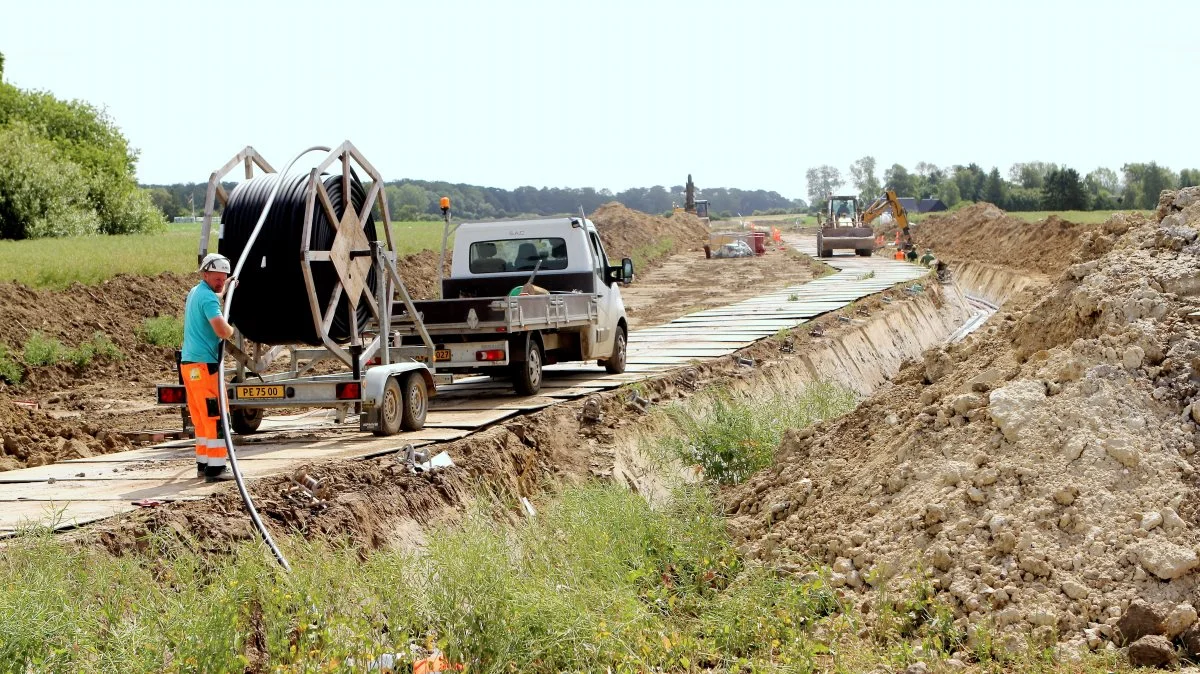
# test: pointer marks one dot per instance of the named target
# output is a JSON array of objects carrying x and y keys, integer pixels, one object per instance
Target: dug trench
[{"x": 378, "y": 502}]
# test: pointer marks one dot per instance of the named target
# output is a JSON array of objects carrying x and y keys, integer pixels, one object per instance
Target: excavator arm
[{"x": 881, "y": 205}]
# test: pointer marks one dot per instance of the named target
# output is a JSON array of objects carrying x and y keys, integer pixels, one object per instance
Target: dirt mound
[
  {"x": 1040, "y": 485},
  {"x": 985, "y": 233},
  {"x": 31, "y": 438},
  {"x": 116, "y": 307},
  {"x": 629, "y": 233}
]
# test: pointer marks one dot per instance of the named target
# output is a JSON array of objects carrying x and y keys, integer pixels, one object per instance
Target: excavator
[{"x": 881, "y": 206}]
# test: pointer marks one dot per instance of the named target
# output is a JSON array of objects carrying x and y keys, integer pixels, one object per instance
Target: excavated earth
[{"x": 1042, "y": 473}]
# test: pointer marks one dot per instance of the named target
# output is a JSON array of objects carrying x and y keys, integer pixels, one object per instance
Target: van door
[{"x": 602, "y": 338}]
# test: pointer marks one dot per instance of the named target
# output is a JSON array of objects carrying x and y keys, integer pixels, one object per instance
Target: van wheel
[
  {"x": 616, "y": 364},
  {"x": 527, "y": 373},
  {"x": 416, "y": 402}
]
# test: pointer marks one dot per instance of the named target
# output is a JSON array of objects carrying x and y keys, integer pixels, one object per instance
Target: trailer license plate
[
  {"x": 442, "y": 355},
  {"x": 259, "y": 392}
]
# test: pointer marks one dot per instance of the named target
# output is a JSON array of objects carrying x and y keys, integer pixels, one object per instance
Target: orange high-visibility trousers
[{"x": 204, "y": 404}]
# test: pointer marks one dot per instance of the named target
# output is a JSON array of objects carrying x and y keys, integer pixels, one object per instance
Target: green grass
[
  {"x": 732, "y": 436},
  {"x": 1081, "y": 217},
  {"x": 162, "y": 331},
  {"x": 40, "y": 350},
  {"x": 57, "y": 263},
  {"x": 11, "y": 369},
  {"x": 647, "y": 254},
  {"x": 98, "y": 347}
]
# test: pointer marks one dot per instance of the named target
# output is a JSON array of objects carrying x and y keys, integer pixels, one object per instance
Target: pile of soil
[
  {"x": 116, "y": 307},
  {"x": 624, "y": 230},
  {"x": 983, "y": 232},
  {"x": 1041, "y": 474},
  {"x": 30, "y": 438}
]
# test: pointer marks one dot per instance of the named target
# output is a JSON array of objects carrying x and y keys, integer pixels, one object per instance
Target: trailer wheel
[
  {"x": 616, "y": 364},
  {"x": 391, "y": 409},
  {"x": 245, "y": 420},
  {"x": 527, "y": 372},
  {"x": 416, "y": 402}
]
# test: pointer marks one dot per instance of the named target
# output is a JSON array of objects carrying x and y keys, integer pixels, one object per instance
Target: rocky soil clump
[
  {"x": 1040, "y": 476},
  {"x": 30, "y": 438}
]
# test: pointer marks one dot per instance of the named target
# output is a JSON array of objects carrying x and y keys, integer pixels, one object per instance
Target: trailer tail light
[
  {"x": 501, "y": 329},
  {"x": 490, "y": 354},
  {"x": 172, "y": 395},
  {"x": 350, "y": 390}
]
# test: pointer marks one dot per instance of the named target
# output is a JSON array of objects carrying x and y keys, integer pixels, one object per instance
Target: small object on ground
[
  {"x": 637, "y": 402},
  {"x": 743, "y": 362},
  {"x": 690, "y": 378},
  {"x": 591, "y": 410},
  {"x": 788, "y": 346},
  {"x": 436, "y": 662},
  {"x": 27, "y": 404},
  {"x": 315, "y": 487},
  {"x": 817, "y": 331},
  {"x": 529, "y": 509},
  {"x": 146, "y": 503},
  {"x": 438, "y": 462},
  {"x": 844, "y": 319}
]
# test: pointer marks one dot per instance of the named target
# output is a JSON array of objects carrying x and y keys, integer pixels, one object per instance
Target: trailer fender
[{"x": 376, "y": 378}]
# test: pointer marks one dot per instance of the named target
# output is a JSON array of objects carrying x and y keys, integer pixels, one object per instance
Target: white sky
[{"x": 625, "y": 93}]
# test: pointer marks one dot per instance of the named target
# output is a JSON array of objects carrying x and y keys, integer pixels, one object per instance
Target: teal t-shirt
[{"x": 200, "y": 343}]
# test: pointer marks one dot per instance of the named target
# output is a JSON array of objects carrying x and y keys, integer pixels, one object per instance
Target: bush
[
  {"x": 162, "y": 331},
  {"x": 11, "y": 371},
  {"x": 41, "y": 350}
]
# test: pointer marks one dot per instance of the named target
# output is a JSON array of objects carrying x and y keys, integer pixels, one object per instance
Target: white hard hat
[{"x": 215, "y": 262}]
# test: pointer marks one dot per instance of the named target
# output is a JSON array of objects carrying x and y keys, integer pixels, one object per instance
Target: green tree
[
  {"x": 862, "y": 173},
  {"x": 1062, "y": 190},
  {"x": 1189, "y": 178},
  {"x": 1, "y": 66},
  {"x": 41, "y": 193},
  {"x": 85, "y": 137},
  {"x": 1143, "y": 183},
  {"x": 898, "y": 178},
  {"x": 1102, "y": 180},
  {"x": 1030, "y": 175},
  {"x": 994, "y": 190},
  {"x": 823, "y": 181},
  {"x": 948, "y": 192}
]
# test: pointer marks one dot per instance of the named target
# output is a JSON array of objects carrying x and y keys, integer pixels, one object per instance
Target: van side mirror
[{"x": 626, "y": 270}]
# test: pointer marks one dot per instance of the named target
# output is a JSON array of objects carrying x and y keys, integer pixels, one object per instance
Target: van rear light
[
  {"x": 351, "y": 390},
  {"x": 490, "y": 354},
  {"x": 172, "y": 395}
]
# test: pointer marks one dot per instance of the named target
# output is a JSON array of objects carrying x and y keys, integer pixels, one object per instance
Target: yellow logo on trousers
[{"x": 194, "y": 374}]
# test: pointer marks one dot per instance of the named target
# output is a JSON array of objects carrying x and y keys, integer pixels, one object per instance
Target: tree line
[
  {"x": 1028, "y": 186},
  {"x": 418, "y": 200},
  {"x": 65, "y": 169}
]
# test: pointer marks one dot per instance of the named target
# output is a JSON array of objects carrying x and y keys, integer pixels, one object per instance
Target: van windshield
[{"x": 502, "y": 255}]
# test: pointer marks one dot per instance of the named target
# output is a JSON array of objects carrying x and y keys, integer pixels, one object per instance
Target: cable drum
[{"x": 274, "y": 305}]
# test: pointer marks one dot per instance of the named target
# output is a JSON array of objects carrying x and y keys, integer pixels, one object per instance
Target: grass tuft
[
  {"x": 732, "y": 436},
  {"x": 162, "y": 331},
  {"x": 40, "y": 350},
  {"x": 11, "y": 369}
]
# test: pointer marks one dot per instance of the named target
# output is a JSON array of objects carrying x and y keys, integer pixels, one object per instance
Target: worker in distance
[{"x": 204, "y": 329}]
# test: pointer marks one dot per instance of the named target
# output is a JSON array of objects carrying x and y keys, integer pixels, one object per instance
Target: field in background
[
  {"x": 1082, "y": 217},
  {"x": 57, "y": 263}
]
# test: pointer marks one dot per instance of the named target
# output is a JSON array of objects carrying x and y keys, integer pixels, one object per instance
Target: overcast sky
[{"x": 625, "y": 93}]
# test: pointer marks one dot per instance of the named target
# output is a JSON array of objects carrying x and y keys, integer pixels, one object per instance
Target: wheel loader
[{"x": 842, "y": 227}]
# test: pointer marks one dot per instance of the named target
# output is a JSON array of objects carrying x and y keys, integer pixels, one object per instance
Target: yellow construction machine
[{"x": 883, "y": 204}]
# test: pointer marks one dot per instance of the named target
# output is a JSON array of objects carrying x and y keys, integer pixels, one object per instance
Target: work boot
[
  {"x": 200, "y": 469},
  {"x": 216, "y": 474}
]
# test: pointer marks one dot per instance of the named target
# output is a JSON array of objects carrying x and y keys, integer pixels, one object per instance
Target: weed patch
[
  {"x": 11, "y": 370},
  {"x": 732, "y": 436},
  {"x": 98, "y": 347},
  {"x": 40, "y": 350},
  {"x": 162, "y": 331}
]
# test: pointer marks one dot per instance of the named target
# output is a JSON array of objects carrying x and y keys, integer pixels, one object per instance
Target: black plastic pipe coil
[{"x": 273, "y": 306}]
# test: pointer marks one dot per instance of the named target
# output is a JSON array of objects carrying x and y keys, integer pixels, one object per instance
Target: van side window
[{"x": 598, "y": 250}]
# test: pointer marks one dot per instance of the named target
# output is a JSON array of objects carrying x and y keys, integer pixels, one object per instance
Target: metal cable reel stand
[{"x": 392, "y": 395}]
